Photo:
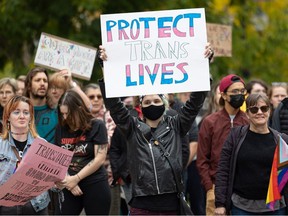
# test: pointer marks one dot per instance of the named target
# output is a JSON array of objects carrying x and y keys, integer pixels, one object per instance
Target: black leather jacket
[{"x": 150, "y": 171}]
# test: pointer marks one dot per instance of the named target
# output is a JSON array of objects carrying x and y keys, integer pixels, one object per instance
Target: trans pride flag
[{"x": 279, "y": 173}]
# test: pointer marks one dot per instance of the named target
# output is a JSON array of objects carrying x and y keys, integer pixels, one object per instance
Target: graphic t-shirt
[
  {"x": 82, "y": 143},
  {"x": 46, "y": 120},
  {"x": 20, "y": 145}
]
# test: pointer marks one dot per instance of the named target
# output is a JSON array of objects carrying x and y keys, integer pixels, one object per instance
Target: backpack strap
[{"x": 16, "y": 153}]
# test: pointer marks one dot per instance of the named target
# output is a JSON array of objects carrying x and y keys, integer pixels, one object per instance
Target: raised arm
[
  {"x": 119, "y": 113},
  {"x": 67, "y": 74}
]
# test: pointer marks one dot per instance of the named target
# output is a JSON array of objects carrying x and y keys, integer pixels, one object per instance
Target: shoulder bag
[{"x": 184, "y": 208}]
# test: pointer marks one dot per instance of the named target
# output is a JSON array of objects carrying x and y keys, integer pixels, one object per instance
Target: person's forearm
[
  {"x": 84, "y": 97},
  {"x": 94, "y": 164}
]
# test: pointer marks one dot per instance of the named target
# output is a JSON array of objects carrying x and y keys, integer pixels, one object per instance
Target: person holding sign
[
  {"x": 86, "y": 185},
  {"x": 244, "y": 168},
  {"x": 18, "y": 134},
  {"x": 154, "y": 189},
  {"x": 45, "y": 113}
]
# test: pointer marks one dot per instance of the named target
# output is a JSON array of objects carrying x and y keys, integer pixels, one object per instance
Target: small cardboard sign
[
  {"x": 58, "y": 53},
  {"x": 220, "y": 37}
]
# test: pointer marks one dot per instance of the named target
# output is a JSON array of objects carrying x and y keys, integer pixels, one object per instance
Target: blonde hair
[{"x": 9, "y": 81}]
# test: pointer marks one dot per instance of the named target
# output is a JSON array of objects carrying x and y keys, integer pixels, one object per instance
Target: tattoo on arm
[
  {"x": 102, "y": 148},
  {"x": 89, "y": 164}
]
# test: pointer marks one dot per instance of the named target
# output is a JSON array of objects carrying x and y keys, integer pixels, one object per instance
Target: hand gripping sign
[
  {"x": 155, "y": 52},
  {"x": 41, "y": 166}
]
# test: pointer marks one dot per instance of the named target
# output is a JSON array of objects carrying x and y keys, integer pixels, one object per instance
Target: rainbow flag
[{"x": 279, "y": 173}]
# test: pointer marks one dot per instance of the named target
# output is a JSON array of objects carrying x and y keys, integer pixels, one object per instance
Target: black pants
[
  {"x": 53, "y": 207},
  {"x": 197, "y": 195},
  {"x": 26, "y": 209},
  {"x": 95, "y": 200}
]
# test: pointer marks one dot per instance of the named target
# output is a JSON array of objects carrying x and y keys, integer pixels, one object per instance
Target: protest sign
[
  {"x": 283, "y": 153},
  {"x": 42, "y": 165},
  {"x": 155, "y": 52},
  {"x": 58, "y": 53},
  {"x": 220, "y": 37}
]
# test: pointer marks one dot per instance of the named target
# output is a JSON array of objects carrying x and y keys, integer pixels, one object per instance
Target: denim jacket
[{"x": 8, "y": 162}]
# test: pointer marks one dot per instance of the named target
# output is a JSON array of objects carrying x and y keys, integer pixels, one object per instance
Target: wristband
[{"x": 78, "y": 177}]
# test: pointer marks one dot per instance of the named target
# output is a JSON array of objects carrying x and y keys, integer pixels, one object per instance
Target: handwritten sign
[
  {"x": 220, "y": 37},
  {"x": 42, "y": 165},
  {"x": 155, "y": 52},
  {"x": 58, "y": 53}
]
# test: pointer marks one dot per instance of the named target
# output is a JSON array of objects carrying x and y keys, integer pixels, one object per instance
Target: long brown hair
[
  {"x": 29, "y": 77},
  {"x": 10, "y": 107},
  {"x": 78, "y": 114}
]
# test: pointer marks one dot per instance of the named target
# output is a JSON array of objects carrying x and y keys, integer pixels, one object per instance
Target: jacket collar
[
  {"x": 29, "y": 139},
  {"x": 239, "y": 113},
  {"x": 146, "y": 129}
]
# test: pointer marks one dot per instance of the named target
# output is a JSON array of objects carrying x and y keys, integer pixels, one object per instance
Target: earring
[{"x": 8, "y": 125}]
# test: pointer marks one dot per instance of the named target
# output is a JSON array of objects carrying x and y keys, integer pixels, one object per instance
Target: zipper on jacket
[
  {"x": 154, "y": 166},
  {"x": 164, "y": 132},
  {"x": 231, "y": 121},
  {"x": 153, "y": 161}
]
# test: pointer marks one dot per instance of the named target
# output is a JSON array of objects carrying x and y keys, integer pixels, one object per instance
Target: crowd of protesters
[{"x": 118, "y": 167}]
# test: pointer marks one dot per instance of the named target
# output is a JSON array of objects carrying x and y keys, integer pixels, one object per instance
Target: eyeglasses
[
  {"x": 255, "y": 109},
  {"x": 17, "y": 113},
  {"x": 92, "y": 97},
  {"x": 238, "y": 91},
  {"x": 55, "y": 88}
]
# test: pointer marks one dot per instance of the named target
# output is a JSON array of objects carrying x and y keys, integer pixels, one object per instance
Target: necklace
[{"x": 19, "y": 133}]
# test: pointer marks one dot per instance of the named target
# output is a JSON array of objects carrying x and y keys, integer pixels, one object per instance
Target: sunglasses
[
  {"x": 255, "y": 109},
  {"x": 92, "y": 97}
]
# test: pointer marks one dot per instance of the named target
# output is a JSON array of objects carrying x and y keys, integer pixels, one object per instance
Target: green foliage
[{"x": 259, "y": 40}]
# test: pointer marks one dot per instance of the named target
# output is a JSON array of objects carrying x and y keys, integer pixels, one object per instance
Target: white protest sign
[
  {"x": 58, "y": 53},
  {"x": 155, "y": 52},
  {"x": 42, "y": 165},
  {"x": 220, "y": 37}
]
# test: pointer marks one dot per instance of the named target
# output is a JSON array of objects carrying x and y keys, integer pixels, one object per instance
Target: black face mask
[
  {"x": 153, "y": 112},
  {"x": 236, "y": 101}
]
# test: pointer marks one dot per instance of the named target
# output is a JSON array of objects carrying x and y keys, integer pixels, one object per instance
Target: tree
[{"x": 259, "y": 30}]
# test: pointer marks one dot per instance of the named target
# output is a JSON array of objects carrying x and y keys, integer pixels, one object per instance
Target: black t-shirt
[
  {"x": 82, "y": 143},
  {"x": 254, "y": 163},
  {"x": 193, "y": 132},
  {"x": 20, "y": 146}
]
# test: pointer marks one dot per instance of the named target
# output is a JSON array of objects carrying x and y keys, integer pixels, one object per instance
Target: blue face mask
[{"x": 153, "y": 112}]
